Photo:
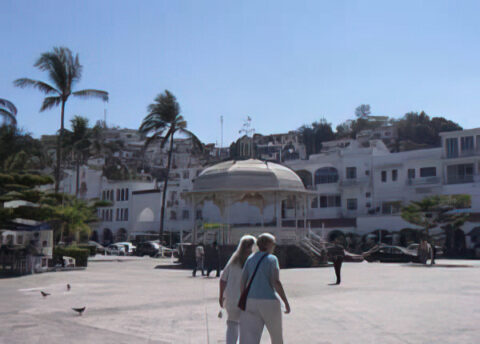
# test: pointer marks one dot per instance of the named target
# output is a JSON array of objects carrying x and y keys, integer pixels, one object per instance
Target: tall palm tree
[
  {"x": 64, "y": 71},
  {"x": 78, "y": 142},
  {"x": 163, "y": 122},
  {"x": 8, "y": 111}
]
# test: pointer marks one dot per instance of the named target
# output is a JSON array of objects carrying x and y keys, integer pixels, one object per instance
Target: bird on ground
[
  {"x": 79, "y": 310},
  {"x": 68, "y": 287},
  {"x": 44, "y": 294}
]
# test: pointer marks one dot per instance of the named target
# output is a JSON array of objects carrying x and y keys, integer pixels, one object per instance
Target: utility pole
[
  {"x": 247, "y": 130},
  {"x": 221, "y": 131}
]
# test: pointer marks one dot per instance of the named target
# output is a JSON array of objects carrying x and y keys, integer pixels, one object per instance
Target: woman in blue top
[{"x": 263, "y": 307}]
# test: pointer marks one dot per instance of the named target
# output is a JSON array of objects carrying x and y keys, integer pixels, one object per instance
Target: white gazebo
[{"x": 261, "y": 184}]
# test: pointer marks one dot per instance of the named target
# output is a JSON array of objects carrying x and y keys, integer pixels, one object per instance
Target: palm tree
[
  {"x": 8, "y": 111},
  {"x": 163, "y": 122},
  {"x": 64, "y": 71},
  {"x": 78, "y": 142}
]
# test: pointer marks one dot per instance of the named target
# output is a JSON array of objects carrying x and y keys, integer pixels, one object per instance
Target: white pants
[
  {"x": 260, "y": 313},
  {"x": 233, "y": 320}
]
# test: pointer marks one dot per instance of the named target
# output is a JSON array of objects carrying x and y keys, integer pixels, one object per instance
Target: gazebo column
[{"x": 278, "y": 209}]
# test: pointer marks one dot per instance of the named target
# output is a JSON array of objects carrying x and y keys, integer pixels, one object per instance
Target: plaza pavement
[{"x": 131, "y": 302}]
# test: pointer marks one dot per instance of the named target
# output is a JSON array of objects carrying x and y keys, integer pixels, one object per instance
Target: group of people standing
[
  {"x": 249, "y": 286},
  {"x": 207, "y": 259}
]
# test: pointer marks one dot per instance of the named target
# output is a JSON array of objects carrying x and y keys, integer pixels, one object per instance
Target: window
[
  {"x": 44, "y": 243},
  {"x": 126, "y": 194},
  {"x": 367, "y": 172},
  {"x": 351, "y": 172},
  {"x": 103, "y": 215},
  {"x": 384, "y": 176},
  {"x": 20, "y": 240},
  {"x": 314, "y": 203},
  {"x": 103, "y": 195},
  {"x": 462, "y": 173},
  {"x": 330, "y": 201},
  {"x": 125, "y": 214},
  {"x": 326, "y": 175},
  {"x": 391, "y": 207},
  {"x": 394, "y": 175},
  {"x": 117, "y": 217},
  {"x": 173, "y": 195},
  {"x": 173, "y": 215},
  {"x": 466, "y": 144},
  {"x": 351, "y": 203},
  {"x": 121, "y": 214},
  {"x": 198, "y": 214},
  {"x": 185, "y": 214},
  {"x": 118, "y": 194},
  {"x": 411, "y": 173},
  {"x": 428, "y": 172},
  {"x": 368, "y": 195},
  {"x": 186, "y": 174},
  {"x": 451, "y": 147},
  {"x": 123, "y": 195}
]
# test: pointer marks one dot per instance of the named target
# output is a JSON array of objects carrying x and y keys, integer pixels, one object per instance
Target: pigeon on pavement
[
  {"x": 79, "y": 310},
  {"x": 68, "y": 287},
  {"x": 44, "y": 294}
]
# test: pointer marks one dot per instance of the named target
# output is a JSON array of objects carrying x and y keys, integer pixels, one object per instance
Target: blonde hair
[
  {"x": 263, "y": 241},
  {"x": 243, "y": 250}
]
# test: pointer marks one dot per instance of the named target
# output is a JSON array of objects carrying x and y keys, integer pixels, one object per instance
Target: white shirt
[{"x": 232, "y": 274}]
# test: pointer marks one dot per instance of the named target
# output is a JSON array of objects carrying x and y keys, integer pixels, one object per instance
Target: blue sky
[{"x": 284, "y": 63}]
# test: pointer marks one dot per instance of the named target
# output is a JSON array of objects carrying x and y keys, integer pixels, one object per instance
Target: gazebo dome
[{"x": 247, "y": 175}]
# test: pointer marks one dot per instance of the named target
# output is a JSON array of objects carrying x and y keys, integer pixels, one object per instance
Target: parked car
[
  {"x": 116, "y": 250},
  {"x": 390, "y": 254},
  {"x": 147, "y": 249},
  {"x": 129, "y": 247},
  {"x": 100, "y": 249},
  {"x": 414, "y": 249}
]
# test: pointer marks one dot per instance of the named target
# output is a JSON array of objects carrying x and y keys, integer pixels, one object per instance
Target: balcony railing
[
  {"x": 423, "y": 181},
  {"x": 461, "y": 179},
  {"x": 463, "y": 153},
  {"x": 354, "y": 182}
]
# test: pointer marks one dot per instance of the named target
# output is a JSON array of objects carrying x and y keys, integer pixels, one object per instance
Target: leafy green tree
[
  {"x": 313, "y": 135},
  {"x": 64, "y": 71},
  {"x": 8, "y": 111},
  {"x": 362, "y": 111},
  {"x": 162, "y": 122},
  {"x": 17, "y": 146},
  {"x": 437, "y": 210}
]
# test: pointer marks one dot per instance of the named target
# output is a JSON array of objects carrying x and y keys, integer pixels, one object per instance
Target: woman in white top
[{"x": 230, "y": 286}]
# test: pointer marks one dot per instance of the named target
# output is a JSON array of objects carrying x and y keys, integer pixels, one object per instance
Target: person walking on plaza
[
  {"x": 260, "y": 281},
  {"x": 199, "y": 260},
  {"x": 213, "y": 259},
  {"x": 230, "y": 286},
  {"x": 337, "y": 255}
]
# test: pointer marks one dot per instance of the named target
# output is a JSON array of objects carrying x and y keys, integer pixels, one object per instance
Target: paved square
[{"x": 131, "y": 302}]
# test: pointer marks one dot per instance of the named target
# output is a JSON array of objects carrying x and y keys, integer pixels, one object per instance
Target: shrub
[
  {"x": 91, "y": 248},
  {"x": 80, "y": 255}
]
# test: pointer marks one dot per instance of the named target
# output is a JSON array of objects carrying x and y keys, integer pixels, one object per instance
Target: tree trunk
[
  {"x": 59, "y": 149},
  {"x": 77, "y": 177},
  {"x": 164, "y": 193}
]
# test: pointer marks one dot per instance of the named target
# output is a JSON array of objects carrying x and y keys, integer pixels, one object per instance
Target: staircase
[{"x": 315, "y": 247}]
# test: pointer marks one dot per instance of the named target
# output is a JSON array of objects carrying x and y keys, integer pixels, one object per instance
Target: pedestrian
[
  {"x": 199, "y": 260},
  {"x": 213, "y": 259},
  {"x": 260, "y": 281},
  {"x": 337, "y": 255},
  {"x": 230, "y": 286}
]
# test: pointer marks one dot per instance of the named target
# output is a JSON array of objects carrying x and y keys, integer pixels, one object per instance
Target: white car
[
  {"x": 116, "y": 250},
  {"x": 129, "y": 247}
]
